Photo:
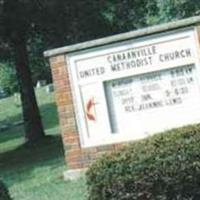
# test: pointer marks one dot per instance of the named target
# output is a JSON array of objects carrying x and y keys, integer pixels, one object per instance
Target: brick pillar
[{"x": 66, "y": 111}]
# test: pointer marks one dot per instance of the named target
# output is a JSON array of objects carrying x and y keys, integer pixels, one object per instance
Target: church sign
[
  {"x": 129, "y": 90},
  {"x": 126, "y": 87}
]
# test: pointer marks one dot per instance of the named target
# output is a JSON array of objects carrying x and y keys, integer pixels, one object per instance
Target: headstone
[
  {"x": 40, "y": 83},
  {"x": 17, "y": 99},
  {"x": 49, "y": 88},
  {"x": 3, "y": 94}
]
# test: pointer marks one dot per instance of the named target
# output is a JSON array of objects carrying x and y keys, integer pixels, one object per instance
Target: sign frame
[{"x": 72, "y": 58}]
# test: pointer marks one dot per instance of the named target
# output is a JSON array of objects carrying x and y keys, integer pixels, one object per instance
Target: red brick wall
[{"x": 75, "y": 156}]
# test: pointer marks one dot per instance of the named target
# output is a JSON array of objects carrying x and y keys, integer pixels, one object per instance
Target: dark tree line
[{"x": 28, "y": 27}]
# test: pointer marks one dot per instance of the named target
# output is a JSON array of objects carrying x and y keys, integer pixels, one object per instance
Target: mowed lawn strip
[{"x": 35, "y": 171}]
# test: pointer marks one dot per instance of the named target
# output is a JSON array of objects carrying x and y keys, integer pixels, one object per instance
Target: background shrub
[
  {"x": 8, "y": 79},
  {"x": 4, "y": 195},
  {"x": 163, "y": 167}
]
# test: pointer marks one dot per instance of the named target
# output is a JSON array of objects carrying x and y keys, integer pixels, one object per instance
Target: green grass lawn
[{"x": 34, "y": 172}]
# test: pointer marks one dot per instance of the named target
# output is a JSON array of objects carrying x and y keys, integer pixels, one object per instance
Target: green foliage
[
  {"x": 160, "y": 11},
  {"x": 127, "y": 15},
  {"x": 124, "y": 15},
  {"x": 163, "y": 167},
  {"x": 4, "y": 194},
  {"x": 47, "y": 24},
  {"x": 8, "y": 79},
  {"x": 40, "y": 70}
]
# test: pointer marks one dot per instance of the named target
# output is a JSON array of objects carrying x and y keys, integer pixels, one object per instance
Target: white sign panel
[{"x": 133, "y": 89}]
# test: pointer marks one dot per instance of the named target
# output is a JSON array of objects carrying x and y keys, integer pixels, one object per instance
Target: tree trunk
[{"x": 32, "y": 120}]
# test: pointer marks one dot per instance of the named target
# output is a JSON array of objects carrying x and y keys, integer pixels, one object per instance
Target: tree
[
  {"x": 125, "y": 15},
  {"x": 59, "y": 22},
  {"x": 16, "y": 23},
  {"x": 66, "y": 22},
  {"x": 39, "y": 67},
  {"x": 160, "y": 11}
]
